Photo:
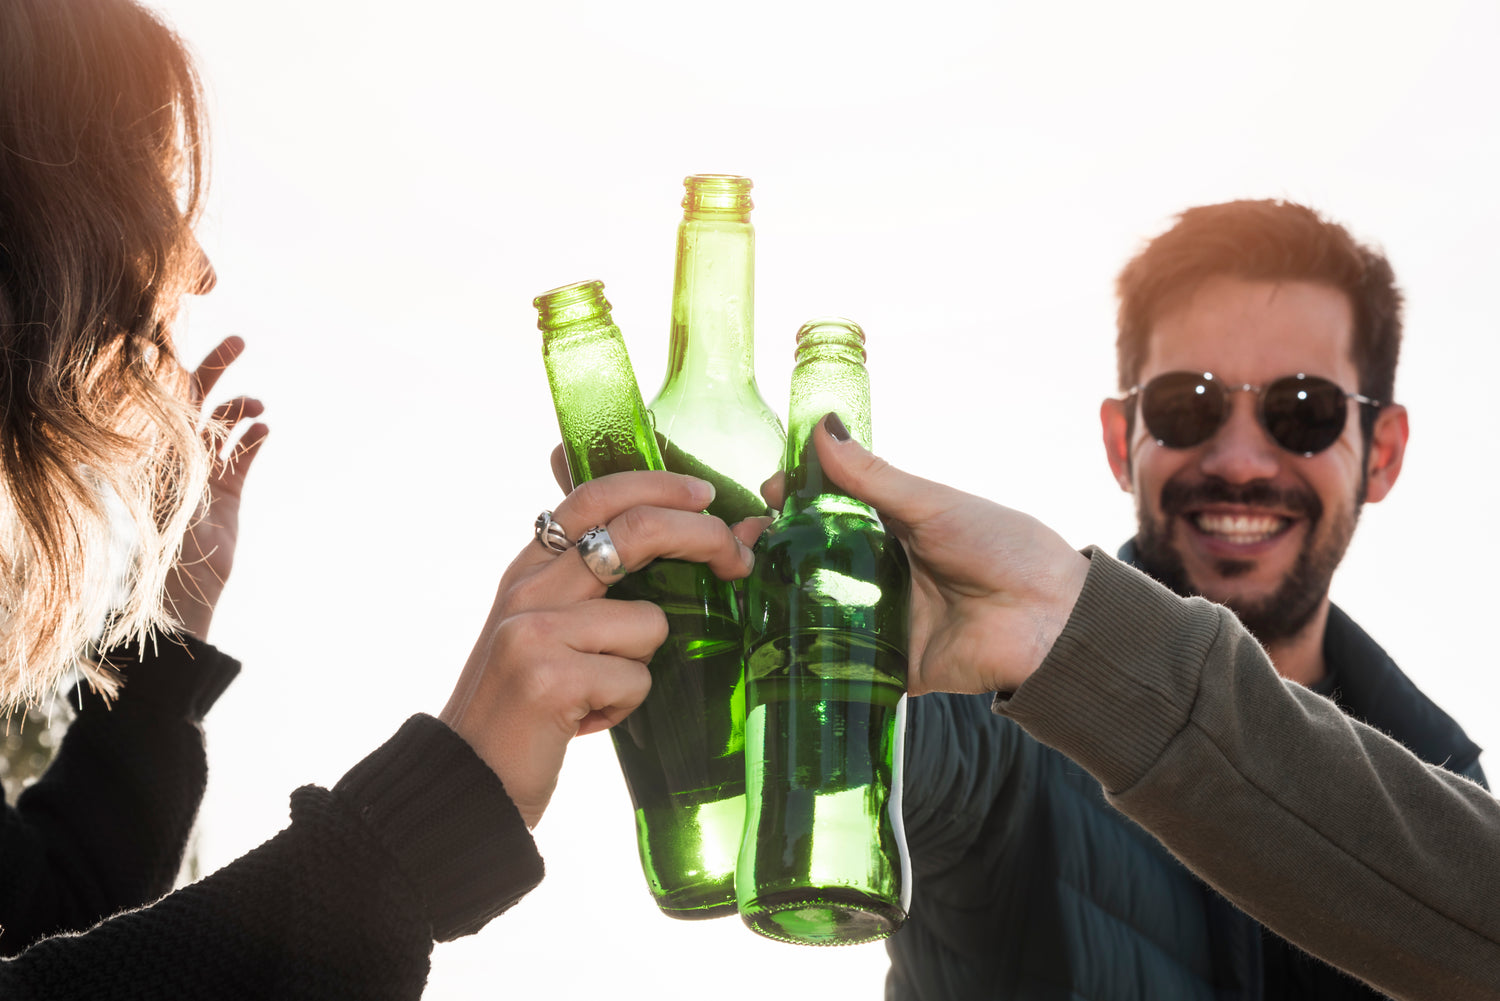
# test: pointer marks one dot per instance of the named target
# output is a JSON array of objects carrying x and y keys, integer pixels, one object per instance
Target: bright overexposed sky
[{"x": 394, "y": 183}]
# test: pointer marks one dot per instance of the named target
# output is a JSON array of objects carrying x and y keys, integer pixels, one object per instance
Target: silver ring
[
  {"x": 550, "y": 534},
  {"x": 600, "y": 556}
]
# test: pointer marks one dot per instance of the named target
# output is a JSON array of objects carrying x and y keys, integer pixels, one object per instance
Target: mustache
[{"x": 1178, "y": 497}]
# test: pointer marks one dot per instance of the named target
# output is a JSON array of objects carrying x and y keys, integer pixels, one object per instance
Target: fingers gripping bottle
[
  {"x": 709, "y": 413},
  {"x": 682, "y": 751},
  {"x": 823, "y": 861}
]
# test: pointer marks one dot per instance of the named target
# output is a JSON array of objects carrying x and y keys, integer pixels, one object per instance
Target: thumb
[{"x": 867, "y": 477}]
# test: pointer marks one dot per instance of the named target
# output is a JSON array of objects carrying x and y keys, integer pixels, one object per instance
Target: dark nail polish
[{"x": 836, "y": 428}]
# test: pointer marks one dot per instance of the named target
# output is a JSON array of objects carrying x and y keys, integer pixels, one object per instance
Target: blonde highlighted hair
[{"x": 102, "y": 153}]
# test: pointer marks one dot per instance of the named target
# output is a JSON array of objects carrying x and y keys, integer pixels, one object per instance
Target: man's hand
[{"x": 991, "y": 587}]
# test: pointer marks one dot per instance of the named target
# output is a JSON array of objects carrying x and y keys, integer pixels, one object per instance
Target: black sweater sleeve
[
  {"x": 105, "y": 826},
  {"x": 419, "y": 841}
]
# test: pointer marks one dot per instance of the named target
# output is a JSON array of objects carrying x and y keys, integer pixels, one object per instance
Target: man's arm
[{"x": 1326, "y": 831}]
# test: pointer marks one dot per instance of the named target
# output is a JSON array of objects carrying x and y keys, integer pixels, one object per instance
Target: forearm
[
  {"x": 418, "y": 842},
  {"x": 105, "y": 827},
  {"x": 1326, "y": 831}
]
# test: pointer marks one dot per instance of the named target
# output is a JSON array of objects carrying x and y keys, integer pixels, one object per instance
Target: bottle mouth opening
[
  {"x": 830, "y": 333},
  {"x": 570, "y": 303},
  {"x": 718, "y": 194}
]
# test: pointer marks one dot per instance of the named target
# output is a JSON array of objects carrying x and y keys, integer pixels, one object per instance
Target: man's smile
[{"x": 1239, "y": 529}]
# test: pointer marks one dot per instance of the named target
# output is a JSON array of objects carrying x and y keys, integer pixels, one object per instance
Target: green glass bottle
[
  {"x": 823, "y": 861},
  {"x": 682, "y": 751},
  {"x": 709, "y": 413}
]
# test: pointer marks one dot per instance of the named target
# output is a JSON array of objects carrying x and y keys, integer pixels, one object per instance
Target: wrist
[
  {"x": 1065, "y": 584},
  {"x": 195, "y": 621},
  {"x": 191, "y": 602}
]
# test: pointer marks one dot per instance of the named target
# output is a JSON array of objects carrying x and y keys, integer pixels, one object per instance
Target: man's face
[{"x": 1238, "y": 519}]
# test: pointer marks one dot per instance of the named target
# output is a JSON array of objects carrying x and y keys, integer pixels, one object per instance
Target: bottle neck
[
  {"x": 713, "y": 302},
  {"x": 829, "y": 377},
  {"x": 605, "y": 426}
]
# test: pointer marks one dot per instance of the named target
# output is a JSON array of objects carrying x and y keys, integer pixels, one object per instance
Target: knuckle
[
  {"x": 537, "y": 682},
  {"x": 873, "y": 465},
  {"x": 527, "y": 630},
  {"x": 638, "y": 528},
  {"x": 653, "y": 623},
  {"x": 526, "y": 591},
  {"x": 587, "y": 497}
]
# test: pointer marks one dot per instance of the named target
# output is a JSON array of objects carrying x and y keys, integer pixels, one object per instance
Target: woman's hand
[
  {"x": 557, "y": 658},
  {"x": 207, "y": 553},
  {"x": 991, "y": 587}
]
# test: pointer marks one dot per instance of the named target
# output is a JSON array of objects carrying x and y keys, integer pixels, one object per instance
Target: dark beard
[{"x": 1291, "y": 606}]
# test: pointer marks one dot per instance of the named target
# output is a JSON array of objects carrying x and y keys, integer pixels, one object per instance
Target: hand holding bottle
[
  {"x": 557, "y": 658},
  {"x": 747, "y": 531},
  {"x": 991, "y": 587}
]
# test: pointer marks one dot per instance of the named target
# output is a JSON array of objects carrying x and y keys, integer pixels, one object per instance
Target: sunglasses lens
[
  {"x": 1182, "y": 409},
  {"x": 1304, "y": 413}
]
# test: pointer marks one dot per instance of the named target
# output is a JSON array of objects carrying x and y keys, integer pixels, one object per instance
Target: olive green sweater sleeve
[{"x": 1326, "y": 831}]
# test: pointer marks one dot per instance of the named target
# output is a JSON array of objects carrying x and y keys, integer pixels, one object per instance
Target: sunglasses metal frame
[{"x": 1138, "y": 390}]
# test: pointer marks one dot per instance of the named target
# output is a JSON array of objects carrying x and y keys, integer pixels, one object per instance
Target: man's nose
[{"x": 1241, "y": 451}]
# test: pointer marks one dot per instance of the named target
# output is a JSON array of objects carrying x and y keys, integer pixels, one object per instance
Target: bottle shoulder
[
  {"x": 729, "y": 396},
  {"x": 835, "y": 555},
  {"x": 825, "y": 519}
]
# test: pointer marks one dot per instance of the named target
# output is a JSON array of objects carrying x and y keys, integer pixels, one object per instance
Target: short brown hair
[
  {"x": 1264, "y": 240},
  {"x": 101, "y": 167}
]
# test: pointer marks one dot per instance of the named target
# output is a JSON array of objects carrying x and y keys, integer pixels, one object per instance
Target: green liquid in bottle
[
  {"x": 682, "y": 750},
  {"x": 823, "y": 860},
  {"x": 825, "y": 748}
]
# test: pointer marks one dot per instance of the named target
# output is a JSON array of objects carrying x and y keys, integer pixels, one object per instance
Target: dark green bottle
[
  {"x": 682, "y": 751},
  {"x": 709, "y": 413},
  {"x": 823, "y": 861}
]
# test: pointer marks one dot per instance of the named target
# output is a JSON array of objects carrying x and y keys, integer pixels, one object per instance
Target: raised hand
[{"x": 207, "y": 554}]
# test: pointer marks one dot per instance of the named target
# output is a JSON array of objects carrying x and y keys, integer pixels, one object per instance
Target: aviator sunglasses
[{"x": 1302, "y": 413}]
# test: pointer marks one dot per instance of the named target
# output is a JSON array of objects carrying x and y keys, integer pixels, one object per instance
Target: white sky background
[{"x": 394, "y": 183}]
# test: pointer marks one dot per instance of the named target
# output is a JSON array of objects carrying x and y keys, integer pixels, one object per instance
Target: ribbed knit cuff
[
  {"x": 177, "y": 675},
  {"x": 1121, "y": 679},
  {"x": 448, "y": 820}
]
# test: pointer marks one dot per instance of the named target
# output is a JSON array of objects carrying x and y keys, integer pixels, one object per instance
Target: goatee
[{"x": 1287, "y": 610}]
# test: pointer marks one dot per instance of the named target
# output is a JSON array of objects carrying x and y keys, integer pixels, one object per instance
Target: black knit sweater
[
  {"x": 105, "y": 826},
  {"x": 417, "y": 842}
]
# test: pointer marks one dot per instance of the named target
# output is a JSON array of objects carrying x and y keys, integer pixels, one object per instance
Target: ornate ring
[
  {"x": 550, "y": 534},
  {"x": 600, "y": 556}
]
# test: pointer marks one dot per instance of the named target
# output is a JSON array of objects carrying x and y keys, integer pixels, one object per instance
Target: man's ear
[
  {"x": 1387, "y": 450},
  {"x": 1115, "y": 426}
]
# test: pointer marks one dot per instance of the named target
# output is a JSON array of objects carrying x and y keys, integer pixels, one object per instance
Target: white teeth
[{"x": 1240, "y": 529}]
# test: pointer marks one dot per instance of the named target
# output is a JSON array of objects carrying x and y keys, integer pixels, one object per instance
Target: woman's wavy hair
[{"x": 102, "y": 159}]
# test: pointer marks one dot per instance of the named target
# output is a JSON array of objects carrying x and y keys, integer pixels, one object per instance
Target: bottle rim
[
  {"x": 830, "y": 332},
  {"x": 717, "y": 195},
  {"x": 570, "y": 303}
]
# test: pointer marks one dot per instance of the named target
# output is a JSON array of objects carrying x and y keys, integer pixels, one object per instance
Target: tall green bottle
[
  {"x": 823, "y": 861},
  {"x": 709, "y": 412},
  {"x": 682, "y": 751}
]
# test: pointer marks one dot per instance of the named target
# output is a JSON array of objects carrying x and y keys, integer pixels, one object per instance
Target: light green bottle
[
  {"x": 823, "y": 861},
  {"x": 709, "y": 412},
  {"x": 682, "y": 751}
]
